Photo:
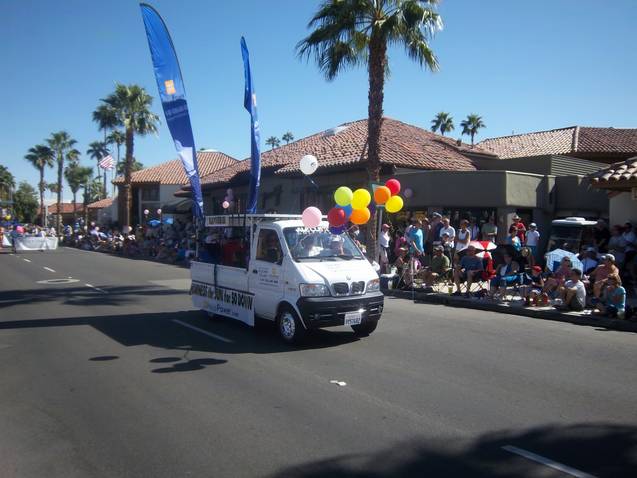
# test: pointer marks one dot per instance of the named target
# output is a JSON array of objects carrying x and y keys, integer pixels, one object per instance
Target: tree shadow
[
  {"x": 601, "y": 450},
  {"x": 82, "y": 295},
  {"x": 104, "y": 358},
  {"x": 160, "y": 330}
]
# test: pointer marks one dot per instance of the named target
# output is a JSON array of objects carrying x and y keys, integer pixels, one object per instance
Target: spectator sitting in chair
[
  {"x": 440, "y": 265},
  {"x": 468, "y": 270},
  {"x": 573, "y": 293},
  {"x": 506, "y": 274}
]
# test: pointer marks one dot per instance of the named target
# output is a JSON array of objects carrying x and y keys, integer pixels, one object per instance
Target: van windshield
[{"x": 318, "y": 244}]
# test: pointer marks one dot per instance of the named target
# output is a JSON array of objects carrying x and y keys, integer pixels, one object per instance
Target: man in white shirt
[
  {"x": 532, "y": 239},
  {"x": 573, "y": 294},
  {"x": 447, "y": 229},
  {"x": 383, "y": 242}
]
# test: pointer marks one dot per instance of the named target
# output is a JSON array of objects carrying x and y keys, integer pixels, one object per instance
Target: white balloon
[{"x": 308, "y": 164}]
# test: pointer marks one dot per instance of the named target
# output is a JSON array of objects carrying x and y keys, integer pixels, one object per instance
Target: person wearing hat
[
  {"x": 383, "y": 247},
  {"x": 533, "y": 285},
  {"x": 532, "y": 239},
  {"x": 521, "y": 228},
  {"x": 440, "y": 265},
  {"x": 589, "y": 261}
]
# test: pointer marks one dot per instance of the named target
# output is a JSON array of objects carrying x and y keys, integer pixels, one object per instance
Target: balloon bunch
[
  {"x": 388, "y": 195},
  {"x": 355, "y": 206}
]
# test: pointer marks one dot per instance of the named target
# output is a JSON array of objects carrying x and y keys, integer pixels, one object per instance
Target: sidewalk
[{"x": 516, "y": 308}]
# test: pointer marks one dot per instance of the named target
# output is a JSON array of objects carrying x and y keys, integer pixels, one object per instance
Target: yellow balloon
[
  {"x": 361, "y": 199},
  {"x": 8, "y": 217},
  {"x": 394, "y": 204},
  {"x": 343, "y": 196}
]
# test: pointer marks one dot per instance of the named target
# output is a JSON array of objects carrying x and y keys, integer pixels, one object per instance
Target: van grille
[
  {"x": 341, "y": 288},
  {"x": 358, "y": 287}
]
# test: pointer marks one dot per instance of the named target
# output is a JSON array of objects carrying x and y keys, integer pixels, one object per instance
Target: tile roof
[
  {"x": 66, "y": 208},
  {"x": 402, "y": 145},
  {"x": 621, "y": 171},
  {"x": 573, "y": 141},
  {"x": 172, "y": 172},
  {"x": 101, "y": 204}
]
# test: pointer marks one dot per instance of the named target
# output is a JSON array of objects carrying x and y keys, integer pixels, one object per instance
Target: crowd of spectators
[
  {"x": 171, "y": 243},
  {"x": 430, "y": 250}
]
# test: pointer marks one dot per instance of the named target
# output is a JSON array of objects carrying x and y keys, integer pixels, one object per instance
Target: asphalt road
[{"x": 102, "y": 375}]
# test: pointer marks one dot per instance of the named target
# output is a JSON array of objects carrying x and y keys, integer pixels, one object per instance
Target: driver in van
[
  {"x": 273, "y": 248},
  {"x": 336, "y": 247}
]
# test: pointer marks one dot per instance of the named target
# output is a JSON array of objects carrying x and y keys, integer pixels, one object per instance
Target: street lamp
[
  {"x": 146, "y": 213},
  {"x": 161, "y": 225}
]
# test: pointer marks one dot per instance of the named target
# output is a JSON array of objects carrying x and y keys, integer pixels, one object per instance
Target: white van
[{"x": 273, "y": 267}]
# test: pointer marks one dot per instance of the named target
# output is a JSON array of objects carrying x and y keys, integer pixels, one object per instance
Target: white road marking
[
  {"x": 339, "y": 383},
  {"x": 547, "y": 462},
  {"x": 11, "y": 254},
  {"x": 26, "y": 260},
  {"x": 96, "y": 288},
  {"x": 48, "y": 269},
  {"x": 205, "y": 332}
]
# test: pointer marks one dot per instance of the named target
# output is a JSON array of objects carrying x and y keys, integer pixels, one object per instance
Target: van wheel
[
  {"x": 290, "y": 327},
  {"x": 363, "y": 330}
]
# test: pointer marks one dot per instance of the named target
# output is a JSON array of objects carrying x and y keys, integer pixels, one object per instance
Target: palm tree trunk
[
  {"x": 472, "y": 135},
  {"x": 58, "y": 218},
  {"x": 41, "y": 188},
  {"x": 127, "y": 176},
  {"x": 376, "y": 70},
  {"x": 74, "y": 207}
]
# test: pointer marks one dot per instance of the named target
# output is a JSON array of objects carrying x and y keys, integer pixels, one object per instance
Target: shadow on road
[
  {"x": 159, "y": 330},
  {"x": 600, "y": 450},
  {"x": 82, "y": 295}
]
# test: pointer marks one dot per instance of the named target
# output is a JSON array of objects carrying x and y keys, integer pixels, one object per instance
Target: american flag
[{"x": 107, "y": 162}]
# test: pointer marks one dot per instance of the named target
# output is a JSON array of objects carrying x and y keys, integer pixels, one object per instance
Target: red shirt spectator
[{"x": 517, "y": 222}]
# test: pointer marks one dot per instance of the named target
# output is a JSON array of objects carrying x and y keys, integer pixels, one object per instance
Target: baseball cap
[
  {"x": 537, "y": 269},
  {"x": 532, "y": 225},
  {"x": 436, "y": 214},
  {"x": 385, "y": 225},
  {"x": 609, "y": 256}
]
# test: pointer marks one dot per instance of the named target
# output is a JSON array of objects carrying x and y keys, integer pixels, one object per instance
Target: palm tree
[
  {"x": 443, "y": 122},
  {"x": 41, "y": 157},
  {"x": 77, "y": 176},
  {"x": 471, "y": 125},
  {"x": 273, "y": 142},
  {"x": 121, "y": 166},
  {"x": 287, "y": 137},
  {"x": 7, "y": 182},
  {"x": 97, "y": 150},
  {"x": 62, "y": 145},
  {"x": 127, "y": 107},
  {"x": 357, "y": 32}
]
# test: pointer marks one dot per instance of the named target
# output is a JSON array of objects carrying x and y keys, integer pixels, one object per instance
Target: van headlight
[
  {"x": 313, "y": 290},
  {"x": 373, "y": 285}
]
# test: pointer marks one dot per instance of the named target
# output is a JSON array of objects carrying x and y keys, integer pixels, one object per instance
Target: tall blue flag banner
[
  {"x": 173, "y": 97},
  {"x": 250, "y": 103}
]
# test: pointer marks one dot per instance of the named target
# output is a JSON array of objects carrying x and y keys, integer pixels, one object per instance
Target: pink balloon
[{"x": 311, "y": 217}]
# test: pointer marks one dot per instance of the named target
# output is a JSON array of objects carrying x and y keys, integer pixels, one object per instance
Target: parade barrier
[
  {"x": 35, "y": 243},
  {"x": 5, "y": 241}
]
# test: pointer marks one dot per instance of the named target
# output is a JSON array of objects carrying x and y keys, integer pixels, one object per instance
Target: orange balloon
[
  {"x": 382, "y": 194},
  {"x": 360, "y": 216}
]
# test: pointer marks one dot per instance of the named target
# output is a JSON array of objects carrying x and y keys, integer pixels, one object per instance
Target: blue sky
[{"x": 523, "y": 66}]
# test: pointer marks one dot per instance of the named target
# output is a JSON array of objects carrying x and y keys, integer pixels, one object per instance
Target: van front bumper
[{"x": 320, "y": 312}]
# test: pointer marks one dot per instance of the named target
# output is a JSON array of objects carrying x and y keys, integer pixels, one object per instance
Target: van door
[{"x": 266, "y": 273}]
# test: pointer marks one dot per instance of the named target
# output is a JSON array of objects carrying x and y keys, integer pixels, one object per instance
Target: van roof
[
  {"x": 228, "y": 220},
  {"x": 573, "y": 221}
]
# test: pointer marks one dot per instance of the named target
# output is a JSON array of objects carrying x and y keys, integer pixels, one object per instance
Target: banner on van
[{"x": 231, "y": 303}]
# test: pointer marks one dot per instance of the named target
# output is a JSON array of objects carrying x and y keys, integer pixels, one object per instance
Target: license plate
[{"x": 352, "y": 318}]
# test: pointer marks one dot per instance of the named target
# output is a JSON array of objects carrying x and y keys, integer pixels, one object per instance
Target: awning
[{"x": 177, "y": 206}]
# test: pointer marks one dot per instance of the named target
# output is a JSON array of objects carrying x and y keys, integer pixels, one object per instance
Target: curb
[{"x": 432, "y": 298}]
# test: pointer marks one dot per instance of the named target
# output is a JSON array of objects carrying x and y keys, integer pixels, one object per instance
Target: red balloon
[
  {"x": 393, "y": 185},
  {"x": 336, "y": 217}
]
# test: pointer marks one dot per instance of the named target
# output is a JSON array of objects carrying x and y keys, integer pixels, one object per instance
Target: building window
[{"x": 150, "y": 194}]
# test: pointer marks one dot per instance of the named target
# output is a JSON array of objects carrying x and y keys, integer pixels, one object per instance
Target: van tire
[
  {"x": 289, "y": 325},
  {"x": 363, "y": 330}
]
